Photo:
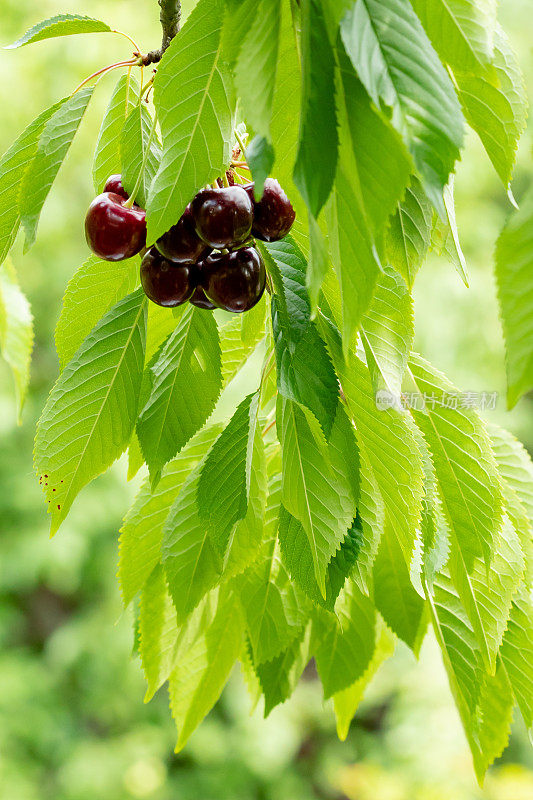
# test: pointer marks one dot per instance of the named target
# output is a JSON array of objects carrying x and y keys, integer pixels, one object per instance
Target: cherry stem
[
  {"x": 240, "y": 142},
  {"x": 225, "y": 181},
  {"x": 131, "y": 200},
  {"x": 126, "y": 36},
  {"x": 131, "y": 63}
]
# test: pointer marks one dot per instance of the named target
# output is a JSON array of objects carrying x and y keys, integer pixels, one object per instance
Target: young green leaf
[
  {"x": 60, "y": 25},
  {"x": 517, "y": 652},
  {"x": 134, "y": 142},
  {"x": 90, "y": 293},
  {"x": 346, "y": 641},
  {"x": 158, "y": 631},
  {"x": 496, "y": 109},
  {"x": 193, "y": 565},
  {"x": 16, "y": 332},
  {"x": 107, "y": 154},
  {"x": 515, "y": 467},
  {"x": 462, "y": 31},
  {"x": 514, "y": 276},
  {"x": 396, "y": 63},
  {"x": 409, "y": 233},
  {"x": 225, "y": 478},
  {"x": 318, "y": 142},
  {"x": 386, "y": 442},
  {"x": 287, "y": 266},
  {"x": 96, "y": 396},
  {"x": 193, "y": 99},
  {"x": 347, "y": 701},
  {"x": 278, "y": 678},
  {"x": 204, "y": 666},
  {"x": 382, "y": 160},
  {"x": 142, "y": 531},
  {"x": 352, "y": 248},
  {"x": 54, "y": 143},
  {"x": 387, "y": 331},
  {"x": 311, "y": 491},
  {"x": 464, "y": 464},
  {"x": 484, "y": 702},
  {"x": 186, "y": 386},
  {"x": 274, "y": 610},
  {"x": 13, "y": 167},
  {"x": 255, "y": 70},
  {"x": 400, "y": 605}
]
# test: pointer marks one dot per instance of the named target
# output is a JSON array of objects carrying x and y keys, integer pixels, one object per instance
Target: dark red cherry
[
  {"x": 114, "y": 184},
  {"x": 223, "y": 217},
  {"x": 181, "y": 243},
  {"x": 165, "y": 282},
  {"x": 273, "y": 214},
  {"x": 200, "y": 300},
  {"x": 113, "y": 231},
  {"x": 234, "y": 281}
]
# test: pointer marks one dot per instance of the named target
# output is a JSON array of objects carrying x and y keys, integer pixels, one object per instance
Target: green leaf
[
  {"x": 246, "y": 537},
  {"x": 192, "y": 95},
  {"x": 298, "y": 559},
  {"x": 465, "y": 467},
  {"x": 515, "y": 466},
  {"x": 158, "y": 631},
  {"x": 400, "y": 605},
  {"x": 346, "y": 641},
  {"x": 239, "y": 18},
  {"x": 387, "y": 331},
  {"x": 142, "y": 532},
  {"x": 382, "y": 160},
  {"x": 186, "y": 386},
  {"x": 462, "y": 31},
  {"x": 61, "y": 25},
  {"x": 311, "y": 491},
  {"x": 348, "y": 700},
  {"x": 238, "y": 339},
  {"x": 225, "y": 478},
  {"x": 204, "y": 666},
  {"x": 404, "y": 77},
  {"x": 318, "y": 265},
  {"x": 107, "y": 154},
  {"x": 514, "y": 276},
  {"x": 517, "y": 653},
  {"x": 287, "y": 266},
  {"x": 372, "y": 515},
  {"x": 13, "y": 167},
  {"x": 386, "y": 442},
  {"x": 316, "y": 159},
  {"x": 54, "y": 142},
  {"x": 486, "y": 595},
  {"x": 409, "y": 234},
  {"x": 193, "y": 565},
  {"x": 275, "y": 612},
  {"x": 484, "y": 701},
  {"x": 90, "y": 293},
  {"x": 278, "y": 678},
  {"x": 260, "y": 157},
  {"x": 352, "y": 249},
  {"x": 96, "y": 396},
  {"x": 496, "y": 109},
  {"x": 255, "y": 71},
  {"x": 134, "y": 142},
  {"x": 16, "y": 332}
]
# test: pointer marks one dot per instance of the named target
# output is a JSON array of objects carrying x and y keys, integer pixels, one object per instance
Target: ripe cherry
[
  {"x": 223, "y": 217},
  {"x": 113, "y": 231},
  {"x": 234, "y": 281},
  {"x": 166, "y": 283},
  {"x": 114, "y": 184},
  {"x": 200, "y": 300},
  {"x": 181, "y": 243},
  {"x": 273, "y": 214}
]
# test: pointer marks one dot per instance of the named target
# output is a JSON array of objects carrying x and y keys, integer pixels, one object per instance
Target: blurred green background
[{"x": 72, "y": 722}]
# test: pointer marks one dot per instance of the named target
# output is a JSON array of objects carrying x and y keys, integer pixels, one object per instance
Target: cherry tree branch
[{"x": 170, "y": 17}]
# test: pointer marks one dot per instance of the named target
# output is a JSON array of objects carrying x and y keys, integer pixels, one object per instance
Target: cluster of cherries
[{"x": 208, "y": 257}]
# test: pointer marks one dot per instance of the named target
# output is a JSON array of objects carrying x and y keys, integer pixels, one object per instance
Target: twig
[{"x": 170, "y": 22}]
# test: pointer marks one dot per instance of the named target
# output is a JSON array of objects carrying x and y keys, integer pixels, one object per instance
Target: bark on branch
[{"x": 170, "y": 17}]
